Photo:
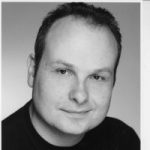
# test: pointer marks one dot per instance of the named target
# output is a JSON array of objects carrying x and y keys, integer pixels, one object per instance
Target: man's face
[{"x": 74, "y": 82}]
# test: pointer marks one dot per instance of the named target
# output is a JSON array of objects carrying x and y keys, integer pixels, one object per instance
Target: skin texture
[{"x": 73, "y": 86}]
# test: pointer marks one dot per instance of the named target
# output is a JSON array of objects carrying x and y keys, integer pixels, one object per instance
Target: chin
[
  {"x": 73, "y": 129},
  {"x": 78, "y": 130}
]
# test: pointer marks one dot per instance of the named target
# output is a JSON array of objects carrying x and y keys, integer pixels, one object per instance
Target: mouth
[{"x": 76, "y": 113}]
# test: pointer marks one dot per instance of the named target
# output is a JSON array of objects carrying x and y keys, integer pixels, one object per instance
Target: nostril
[{"x": 78, "y": 96}]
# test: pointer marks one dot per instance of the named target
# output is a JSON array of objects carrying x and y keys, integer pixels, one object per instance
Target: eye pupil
[
  {"x": 96, "y": 77},
  {"x": 62, "y": 71}
]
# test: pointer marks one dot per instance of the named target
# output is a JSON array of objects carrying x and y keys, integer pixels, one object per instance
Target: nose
[{"x": 79, "y": 93}]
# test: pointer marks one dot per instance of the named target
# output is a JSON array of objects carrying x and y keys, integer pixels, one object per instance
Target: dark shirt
[{"x": 18, "y": 133}]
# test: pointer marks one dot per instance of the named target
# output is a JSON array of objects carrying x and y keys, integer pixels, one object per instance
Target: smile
[{"x": 77, "y": 114}]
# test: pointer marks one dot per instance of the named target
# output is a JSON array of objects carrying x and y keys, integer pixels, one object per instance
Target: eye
[
  {"x": 97, "y": 77},
  {"x": 63, "y": 71}
]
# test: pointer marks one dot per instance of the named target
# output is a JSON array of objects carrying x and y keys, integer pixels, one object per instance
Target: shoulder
[
  {"x": 13, "y": 128},
  {"x": 124, "y": 134},
  {"x": 14, "y": 124},
  {"x": 117, "y": 127},
  {"x": 117, "y": 134},
  {"x": 16, "y": 118},
  {"x": 115, "y": 123}
]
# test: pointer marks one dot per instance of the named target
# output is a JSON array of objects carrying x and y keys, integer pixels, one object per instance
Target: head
[
  {"x": 93, "y": 16},
  {"x": 77, "y": 51}
]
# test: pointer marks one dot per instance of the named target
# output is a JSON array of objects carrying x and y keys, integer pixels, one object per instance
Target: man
[{"x": 72, "y": 73}]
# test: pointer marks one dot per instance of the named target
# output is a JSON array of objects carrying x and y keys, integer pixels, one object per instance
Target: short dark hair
[{"x": 95, "y": 16}]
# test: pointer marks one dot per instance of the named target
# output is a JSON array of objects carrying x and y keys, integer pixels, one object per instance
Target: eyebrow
[
  {"x": 61, "y": 62},
  {"x": 105, "y": 69}
]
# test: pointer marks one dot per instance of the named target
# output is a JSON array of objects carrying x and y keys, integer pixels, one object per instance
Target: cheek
[
  {"x": 52, "y": 89},
  {"x": 100, "y": 99},
  {"x": 101, "y": 96},
  {"x": 48, "y": 95}
]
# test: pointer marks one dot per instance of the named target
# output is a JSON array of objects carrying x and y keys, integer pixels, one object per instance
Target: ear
[{"x": 31, "y": 70}]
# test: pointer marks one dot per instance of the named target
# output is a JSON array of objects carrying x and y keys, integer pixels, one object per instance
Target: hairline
[{"x": 92, "y": 23}]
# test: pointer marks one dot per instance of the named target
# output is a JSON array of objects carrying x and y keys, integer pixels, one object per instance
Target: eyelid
[
  {"x": 64, "y": 68},
  {"x": 93, "y": 75},
  {"x": 102, "y": 76}
]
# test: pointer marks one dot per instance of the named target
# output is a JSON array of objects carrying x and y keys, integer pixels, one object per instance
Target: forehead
[{"x": 76, "y": 41}]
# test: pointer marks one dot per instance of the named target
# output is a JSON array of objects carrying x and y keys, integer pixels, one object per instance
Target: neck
[{"x": 51, "y": 134}]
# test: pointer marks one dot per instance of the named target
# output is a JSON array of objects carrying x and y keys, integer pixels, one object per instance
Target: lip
[{"x": 77, "y": 113}]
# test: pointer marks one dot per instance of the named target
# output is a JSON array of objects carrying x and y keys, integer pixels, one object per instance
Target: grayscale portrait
[{"x": 70, "y": 76}]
